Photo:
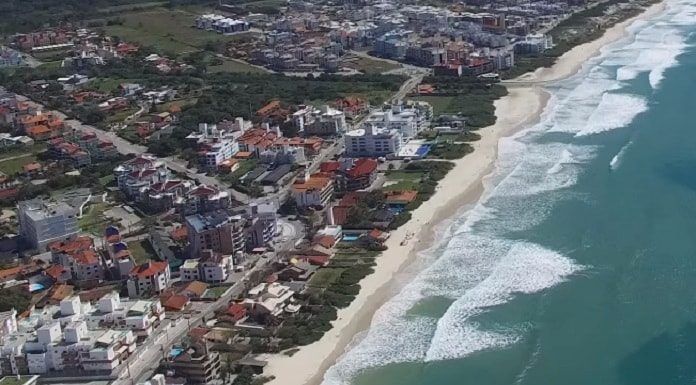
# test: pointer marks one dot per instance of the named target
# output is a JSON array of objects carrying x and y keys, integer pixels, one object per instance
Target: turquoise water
[{"x": 579, "y": 264}]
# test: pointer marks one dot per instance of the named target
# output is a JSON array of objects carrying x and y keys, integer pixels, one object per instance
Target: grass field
[
  {"x": 401, "y": 180},
  {"x": 14, "y": 165},
  {"x": 441, "y": 104},
  {"x": 105, "y": 85},
  {"x": 322, "y": 278},
  {"x": 234, "y": 66},
  {"x": 141, "y": 250},
  {"x": 370, "y": 66},
  {"x": 165, "y": 30},
  {"x": 93, "y": 220}
]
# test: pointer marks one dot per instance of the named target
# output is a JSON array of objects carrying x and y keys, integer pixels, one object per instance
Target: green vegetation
[
  {"x": 93, "y": 220},
  {"x": 141, "y": 250},
  {"x": 17, "y": 298},
  {"x": 472, "y": 98},
  {"x": 215, "y": 292},
  {"x": 402, "y": 180},
  {"x": 325, "y": 277},
  {"x": 229, "y": 65},
  {"x": 580, "y": 28},
  {"x": 231, "y": 95},
  {"x": 12, "y": 380},
  {"x": 14, "y": 165},
  {"x": 167, "y": 30},
  {"x": 370, "y": 66},
  {"x": 25, "y": 16}
]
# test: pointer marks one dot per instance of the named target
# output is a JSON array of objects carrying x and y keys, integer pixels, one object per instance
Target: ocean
[{"x": 578, "y": 264}]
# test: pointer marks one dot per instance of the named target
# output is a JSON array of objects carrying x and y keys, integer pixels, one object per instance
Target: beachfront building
[
  {"x": 372, "y": 141},
  {"x": 44, "y": 221}
]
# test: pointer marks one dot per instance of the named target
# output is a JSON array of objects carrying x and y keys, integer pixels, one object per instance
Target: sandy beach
[{"x": 463, "y": 185}]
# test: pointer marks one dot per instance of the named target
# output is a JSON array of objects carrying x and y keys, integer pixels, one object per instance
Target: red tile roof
[
  {"x": 330, "y": 166},
  {"x": 149, "y": 269},
  {"x": 236, "y": 311},
  {"x": 176, "y": 302},
  {"x": 55, "y": 271},
  {"x": 362, "y": 167}
]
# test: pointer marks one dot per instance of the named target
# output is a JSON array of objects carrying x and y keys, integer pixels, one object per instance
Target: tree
[
  {"x": 14, "y": 298},
  {"x": 245, "y": 377}
]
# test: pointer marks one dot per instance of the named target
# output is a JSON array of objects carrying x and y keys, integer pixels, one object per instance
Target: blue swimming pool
[{"x": 351, "y": 237}]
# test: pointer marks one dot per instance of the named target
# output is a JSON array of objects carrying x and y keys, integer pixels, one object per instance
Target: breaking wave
[{"x": 480, "y": 267}]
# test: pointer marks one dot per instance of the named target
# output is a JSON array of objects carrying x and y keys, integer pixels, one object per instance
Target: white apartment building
[
  {"x": 371, "y": 141},
  {"x": 323, "y": 120},
  {"x": 409, "y": 120},
  {"x": 42, "y": 222},
  {"x": 139, "y": 316},
  {"x": 219, "y": 152},
  {"x": 210, "y": 268},
  {"x": 77, "y": 350}
]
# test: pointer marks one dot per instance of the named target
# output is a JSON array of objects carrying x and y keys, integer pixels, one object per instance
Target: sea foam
[{"x": 479, "y": 267}]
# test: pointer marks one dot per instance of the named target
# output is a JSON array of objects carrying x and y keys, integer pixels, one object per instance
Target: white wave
[
  {"x": 526, "y": 268},
  {"x": 618, "y": 158},
  {"x": 614, "y": 111}
]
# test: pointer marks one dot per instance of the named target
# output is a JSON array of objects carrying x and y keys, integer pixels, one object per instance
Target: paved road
[
  {"x": 179, "y": 165},
  {"x": 147, "y": 357}
]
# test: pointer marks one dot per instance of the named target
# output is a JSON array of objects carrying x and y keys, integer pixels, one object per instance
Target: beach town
[{"x": 226, "y": 193}]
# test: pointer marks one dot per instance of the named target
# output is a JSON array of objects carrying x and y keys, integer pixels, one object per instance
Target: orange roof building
[
  {"x": 400, "y": 197},
  {"x": 314, "y": 190},
  {"x": 150, "y": 278}
]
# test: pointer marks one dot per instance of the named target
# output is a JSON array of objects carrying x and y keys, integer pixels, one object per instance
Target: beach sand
[{"x": 522, "y": 107}]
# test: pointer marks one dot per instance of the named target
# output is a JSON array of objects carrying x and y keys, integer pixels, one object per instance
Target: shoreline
[{"x": 463, "y": 185}]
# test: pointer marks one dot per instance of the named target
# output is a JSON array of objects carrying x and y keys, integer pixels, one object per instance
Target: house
[
  {"x": 194, "y": 289},
  {"x": 314, "y": 190},
  {"x": 268, "y": 299},
  {"x": 400, "y": 198},
  {"x": 236, "y": 311},
  {"x": 377, "y": 236},
  {"x": 58, "y": 273},
  {"x": 175, "y": 302},
  {"x": 148, "y": 279}
]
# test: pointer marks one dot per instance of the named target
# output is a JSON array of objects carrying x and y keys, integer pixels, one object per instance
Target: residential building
[
  {"x": 139, "y": 316},
  {"x": 79, "y": 258},
  {"x": 10, "y": 57},
  {"x": 66, "y": 151},
  {"x": 164, "y": 195},
  {"x": 197, "y": 364},
  {"x": 322, "y": 121},
  {"x": 212, "y": 267},
  {"x": 202, "y": 199},
  {"x": 44, "y": 221},
  {"x": 371, "y": 141},
  {"x": 314, "y": 190},
  {"x": 409, "y": 119},
  {"x": 138, "y": 174},
  {"x": 148, "y": 279},
  {"x": 220, "y": 231},
  {"x": 268, "y": 299},
  {"x": 9, "y": 324},
  {"x": 352, "y": 174}
]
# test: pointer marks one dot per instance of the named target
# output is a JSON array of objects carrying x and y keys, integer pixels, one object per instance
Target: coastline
[{"x": 462, "y": 186}]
